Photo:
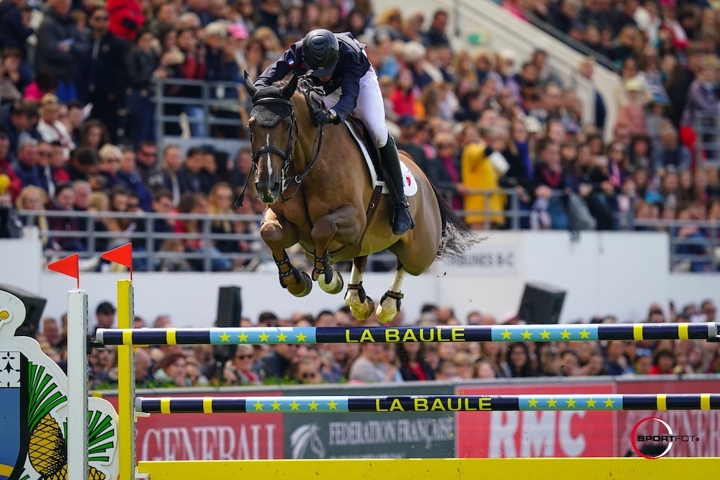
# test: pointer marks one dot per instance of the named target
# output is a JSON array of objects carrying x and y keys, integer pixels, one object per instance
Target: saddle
[{"x": 362, "y": 136}]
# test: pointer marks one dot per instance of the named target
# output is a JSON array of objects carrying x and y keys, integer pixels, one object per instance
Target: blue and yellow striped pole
[
  {"x": 471, "y": 333},
  {"x": 427, "y": 403}
]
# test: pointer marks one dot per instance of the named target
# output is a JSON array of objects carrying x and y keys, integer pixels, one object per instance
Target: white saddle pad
[{"x": 408, "y": 179}]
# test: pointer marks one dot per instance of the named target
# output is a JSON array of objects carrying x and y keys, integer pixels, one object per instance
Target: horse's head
[{"x": 273, "y": 131}]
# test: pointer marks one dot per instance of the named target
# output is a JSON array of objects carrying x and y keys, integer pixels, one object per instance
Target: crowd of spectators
[
  {"x": 178, "y": 366},
  {"x": 77, "y": 116}
]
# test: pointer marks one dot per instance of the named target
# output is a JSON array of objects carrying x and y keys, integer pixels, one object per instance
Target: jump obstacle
[{"x": 130, "y": 407}]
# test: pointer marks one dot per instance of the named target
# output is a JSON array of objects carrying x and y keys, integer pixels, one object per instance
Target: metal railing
[
  {"x": 206, "y": 101},
  {"x": 707, "y": 130},
  {"x": 140, "y": 230}
]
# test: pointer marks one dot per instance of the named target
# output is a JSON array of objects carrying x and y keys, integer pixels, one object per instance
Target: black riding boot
[{"x": 401, "y": 221}]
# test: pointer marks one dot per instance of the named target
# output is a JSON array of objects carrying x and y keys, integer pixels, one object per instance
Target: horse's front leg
[
  {"x": 344, "y": 227},
  {"x": 278, "y": 233}
]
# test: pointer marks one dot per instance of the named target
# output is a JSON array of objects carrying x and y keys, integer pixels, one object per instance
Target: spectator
[
  {"x": 444, "y": 171},
  {"x": 479, "y": 172},
  {"x": 60, "y": 45},
  {"x": 126, "y": 18},
  {"x": 407, "y": 124},
  {"x": 15, "y": 29},
  {"x": 26, "y": 167},
  {"x": 16, "y": 122},
  {"x": 99, "y": 80},
  {"x": 6, "y": 168},
  {"x": 83, "y": 164},
  {"x": 436, "y": 35},
  {"x": 240, "y": 370},
  {"x": 142, "y": 67},
  {"x": 671, "y": 153},
  {"x": 50, "y": 127},
  {"x": 220, "y": 203},
  {"x": 190, "y": 176},
  {"x": 275, "y": 363},
  {"x": 172, "y": 370},
  {"x": 411, "y": 363},
  {"x": 370, "y": 366},
  {"x": 663, "y": 362}
]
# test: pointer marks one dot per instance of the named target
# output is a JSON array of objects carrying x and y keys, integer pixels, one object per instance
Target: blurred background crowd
[
  {"x": 77, "y": 128},
  {"x": 180, "y": 366}
]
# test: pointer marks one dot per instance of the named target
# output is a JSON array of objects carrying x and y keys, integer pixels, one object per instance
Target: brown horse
[{"x": 319, "y": 194}]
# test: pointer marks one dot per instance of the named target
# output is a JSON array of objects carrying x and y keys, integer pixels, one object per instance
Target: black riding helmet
[{"x": 321, "y": 51}]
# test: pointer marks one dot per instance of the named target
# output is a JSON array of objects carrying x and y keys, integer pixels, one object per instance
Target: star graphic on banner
[
  {"x": 552, "y": 403},
  {"x": 332, "y": 405},
  {"x": 224, "y": 337},
  {"x": 571, "y": 403},
  {"x": 527, "y": 335},
  {"x": 545, "y": 334},
  {"x": 281, "y": 337},
  {"x": 264, "y": 337},
  {"x": 565, "y": 334},
  {"x": 609, "y": 403},
  {"x": 275, "y": 405},
  {"x": 584, "y": 334},
  {"x": 532, "y": 403},
  {"x": 243, "y": 337},
  {"x": 258, "y": 405},
  {"x": 506, "y": 335},
  {"x": 294, "y": 405},
  {"x": 313, "y": 405},
  {"x": 300, "y": 337},
  {"x": 591, "y": 403}
]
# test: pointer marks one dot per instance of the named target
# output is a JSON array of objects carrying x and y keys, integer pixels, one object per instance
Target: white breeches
[{"x": 369, "y": 107}]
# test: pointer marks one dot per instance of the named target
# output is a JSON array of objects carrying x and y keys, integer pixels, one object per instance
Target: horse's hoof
[
  {"x": 303, "y": 288},
  {"x": 335, "y": 286},
  {"x": 360, "y": 310},
  {"x": 387, "y": 309}
]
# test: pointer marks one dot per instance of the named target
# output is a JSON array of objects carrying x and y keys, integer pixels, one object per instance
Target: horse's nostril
[{"x": 276, "y": 187}]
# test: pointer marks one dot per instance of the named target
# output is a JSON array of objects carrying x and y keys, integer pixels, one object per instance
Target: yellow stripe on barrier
[
  {"x": 683, "y": 333},
  {"x": 165, "y": 405},
  {"x": 662, "y": 401},
  {"x": 207, "y": 405},
  {"x": 127, "y": 337},
  {"x": 704, "y": 401},
  {"x": 171, "y": 336},
  {"x": 445, "y": 468},
  {"x": 638, "y": 332}
]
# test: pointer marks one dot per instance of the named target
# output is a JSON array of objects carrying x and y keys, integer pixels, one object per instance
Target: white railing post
[{"x": 77, "y": 370}]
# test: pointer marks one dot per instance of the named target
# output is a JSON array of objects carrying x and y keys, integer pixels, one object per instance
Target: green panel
[{"x": 371, "y": 435}]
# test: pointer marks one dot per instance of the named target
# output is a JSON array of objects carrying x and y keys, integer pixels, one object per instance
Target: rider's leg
[{"x": 371, "y": 110}]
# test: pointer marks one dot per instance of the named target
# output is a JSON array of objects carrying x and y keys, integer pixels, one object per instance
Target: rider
[{"x": 340, "y": 66}]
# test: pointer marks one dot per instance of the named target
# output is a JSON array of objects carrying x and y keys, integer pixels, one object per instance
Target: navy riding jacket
[{"x": 351, "y": 67}]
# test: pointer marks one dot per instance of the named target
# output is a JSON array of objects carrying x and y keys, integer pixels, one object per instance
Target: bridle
[{"x": 287, "y": 154}]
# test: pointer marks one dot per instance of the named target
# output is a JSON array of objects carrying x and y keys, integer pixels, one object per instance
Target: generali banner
[{"x": 429, "y": 434}]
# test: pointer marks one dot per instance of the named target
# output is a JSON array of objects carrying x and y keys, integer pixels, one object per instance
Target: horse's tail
[{"x": 456, "y": 235}]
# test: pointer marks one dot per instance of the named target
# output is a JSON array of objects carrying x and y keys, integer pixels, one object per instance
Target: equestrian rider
[{"x": 340, "y": 66}]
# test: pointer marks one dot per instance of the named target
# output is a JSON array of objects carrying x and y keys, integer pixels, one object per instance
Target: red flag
[
  {"x": 121, "y": 255},
  {"x": 67, "y": 266}
]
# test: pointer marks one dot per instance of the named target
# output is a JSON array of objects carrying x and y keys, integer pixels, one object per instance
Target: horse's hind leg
[
  {"x": 390, "y": 302},
  {"x": 276, "y": 233},
  {"x": 360, "y": 304}
]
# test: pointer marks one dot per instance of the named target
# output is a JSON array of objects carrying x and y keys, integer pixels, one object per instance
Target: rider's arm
[
  {"x": 353, "y": 71},
  {"x": 287, "y": 62}
]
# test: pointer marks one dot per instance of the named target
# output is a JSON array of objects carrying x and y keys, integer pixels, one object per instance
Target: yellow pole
[{"x": 126, "y": 383}]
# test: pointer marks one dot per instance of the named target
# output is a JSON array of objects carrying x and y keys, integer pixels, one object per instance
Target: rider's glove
[{"x": 321, "y": 117}]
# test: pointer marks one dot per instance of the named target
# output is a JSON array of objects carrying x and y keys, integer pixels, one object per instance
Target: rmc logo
[{"x": 670, "y": 438}]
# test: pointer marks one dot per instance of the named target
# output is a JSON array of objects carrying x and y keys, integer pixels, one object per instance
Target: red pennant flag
[
  {"x": 121, "y": 255},
  {"x": 67, "y": 266}
]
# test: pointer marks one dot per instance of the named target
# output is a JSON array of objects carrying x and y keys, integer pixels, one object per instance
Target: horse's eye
[{"x": 288, "y": 127}]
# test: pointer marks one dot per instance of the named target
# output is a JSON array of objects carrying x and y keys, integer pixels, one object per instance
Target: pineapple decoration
[{"x": 48, "y": 446}]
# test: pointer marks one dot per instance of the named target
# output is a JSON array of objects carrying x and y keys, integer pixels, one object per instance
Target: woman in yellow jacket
[{"x": 479, "y": 173}]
